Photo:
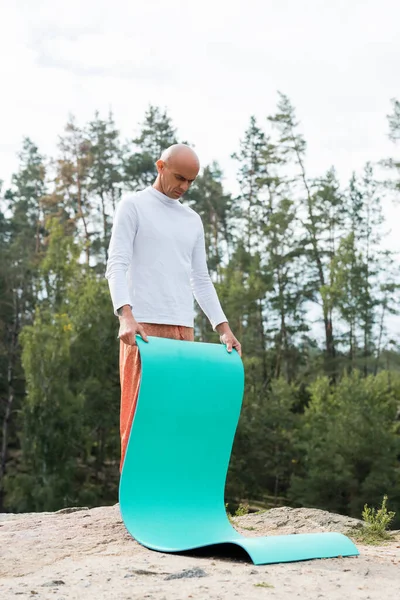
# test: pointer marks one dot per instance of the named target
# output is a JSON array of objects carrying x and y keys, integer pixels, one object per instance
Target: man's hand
[
  {"x": 226, "y": 337},
  {"x": 129, "y": 327}
]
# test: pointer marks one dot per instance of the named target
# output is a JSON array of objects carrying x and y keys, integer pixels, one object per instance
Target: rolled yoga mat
[{"x": 173, "y": 476}]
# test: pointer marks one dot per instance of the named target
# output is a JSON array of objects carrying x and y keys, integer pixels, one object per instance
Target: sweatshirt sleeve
[
  {"x": 120, "y": 252},
  {"x": 202, "y": 286}
]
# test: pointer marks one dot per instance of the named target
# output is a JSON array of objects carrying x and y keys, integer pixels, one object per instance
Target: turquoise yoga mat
[{"x": 173, "y": 477}]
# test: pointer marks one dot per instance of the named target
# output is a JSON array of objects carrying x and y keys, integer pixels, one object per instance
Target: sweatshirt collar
[{"x": 164, "y": 199}]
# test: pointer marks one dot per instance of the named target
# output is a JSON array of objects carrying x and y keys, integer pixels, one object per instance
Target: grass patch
[
  {"x": 376, "y": 524},
  {"x": 242, "y": 510},
  {"x": 263, "y": 584},
  {"x": 228, "y": 513}
]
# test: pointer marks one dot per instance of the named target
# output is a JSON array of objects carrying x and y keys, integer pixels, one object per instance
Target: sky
[{"x": 212, "y": 65}]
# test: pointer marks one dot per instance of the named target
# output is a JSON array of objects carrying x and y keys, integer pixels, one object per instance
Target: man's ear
[{"x": 160, "y": 165}]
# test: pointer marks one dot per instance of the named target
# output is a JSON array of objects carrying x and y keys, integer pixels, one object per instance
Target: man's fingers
[
  {"x": 130, "y": 338},
  {"x": 142, "y": 334},
  {"x": 238, "y": 347},
  {"x": 229, "y": 347}
]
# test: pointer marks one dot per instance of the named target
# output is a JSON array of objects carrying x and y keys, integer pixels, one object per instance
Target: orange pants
[{"x": 130, "y": 370}]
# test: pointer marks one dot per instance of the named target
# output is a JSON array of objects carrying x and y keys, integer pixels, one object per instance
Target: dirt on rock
[{"x": 82, "y": 554}]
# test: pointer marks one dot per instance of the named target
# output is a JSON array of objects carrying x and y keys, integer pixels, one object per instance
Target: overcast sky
[{"x": 212, "y": 64}]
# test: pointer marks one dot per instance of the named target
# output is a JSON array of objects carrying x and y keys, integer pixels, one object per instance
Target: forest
[{"x": 303, "y": 275}]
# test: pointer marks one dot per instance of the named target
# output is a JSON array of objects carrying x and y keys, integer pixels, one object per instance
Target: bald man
[{"x": 156, "y": 264}]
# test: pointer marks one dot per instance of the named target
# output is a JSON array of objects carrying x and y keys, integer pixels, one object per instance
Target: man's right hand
[{"x": 129, "y": 327}]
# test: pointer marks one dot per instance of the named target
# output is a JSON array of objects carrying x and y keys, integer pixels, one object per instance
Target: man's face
[{"x": 177, "y": 175}]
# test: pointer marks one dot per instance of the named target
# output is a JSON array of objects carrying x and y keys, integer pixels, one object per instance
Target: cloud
[
  {"x": 100, "y": 55},
  {"x": 212, "y": 65}
]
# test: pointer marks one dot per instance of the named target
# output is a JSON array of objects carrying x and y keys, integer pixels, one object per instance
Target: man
[{"x": 156, "y": 264}]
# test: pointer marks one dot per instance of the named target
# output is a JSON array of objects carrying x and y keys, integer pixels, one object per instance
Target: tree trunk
[
  {"x": 329, "y": 339},
  {"x": 10, "y": 399},
  {"x": 381, "y": 328},
  {"x": 103, "y": 211},
  {"x": 262, "y": 339}
]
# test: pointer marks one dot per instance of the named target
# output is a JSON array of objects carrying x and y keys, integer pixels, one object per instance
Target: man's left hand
[{"x": 226, "y": 337}]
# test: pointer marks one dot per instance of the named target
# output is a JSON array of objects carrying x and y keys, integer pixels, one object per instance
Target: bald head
[
  {"x": 180, "y": 152},
  {"x": 177, "y": 167}
]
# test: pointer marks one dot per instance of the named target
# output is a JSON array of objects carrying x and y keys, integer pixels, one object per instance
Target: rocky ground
[{"x": 81, "y": 554}]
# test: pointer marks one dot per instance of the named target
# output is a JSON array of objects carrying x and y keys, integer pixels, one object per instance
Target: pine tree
[
  {"x": 214, "y": 205},
  {"x": 208, "y": 199},
  {"x": 284, "y": 265},
  {"x": 246, "y": 261},
  {"x": 250, "y": 158},
  {"x": 69, "y": 419},
  {"x": 359, "y": 289},
  {"x": 349, "y": 445},
  {"x": 72, "y": 191},
  {"x": 393, "y": 164},
  {"x": 263, "y": 453},
  {"x": 156, "y": 134},
  {"x": 22, "y": 241},
  {"x": 320, "y": 214},
  {"x": 105, "y": 175}
]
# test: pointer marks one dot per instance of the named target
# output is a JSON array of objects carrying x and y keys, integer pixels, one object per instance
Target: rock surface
[
  {"x": 79, "y": 554},
  {"x": 283, "y": 520}
]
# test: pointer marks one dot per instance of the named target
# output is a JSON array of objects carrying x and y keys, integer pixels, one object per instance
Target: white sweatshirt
[{"x": 157, "y": 261}]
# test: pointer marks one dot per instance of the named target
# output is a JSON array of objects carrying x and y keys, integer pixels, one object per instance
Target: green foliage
[
  {"x": 51, "y": 418},
  {"x": 156, "y": 134},
  {"x": 377, "y": 523},
  {"x": 348, "y": 444},
  {"x": 242, "y": 510},
  {"x": 21, "y": 249},
  {"x": 70, "y": 366},
  {"x": 300, "y": 270},
  {"x": 378, "y": 520},
  {"x": 263, "y": 452},
  {"x": 393, "y": 164},
  {"x": 105, "y": 175}
]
